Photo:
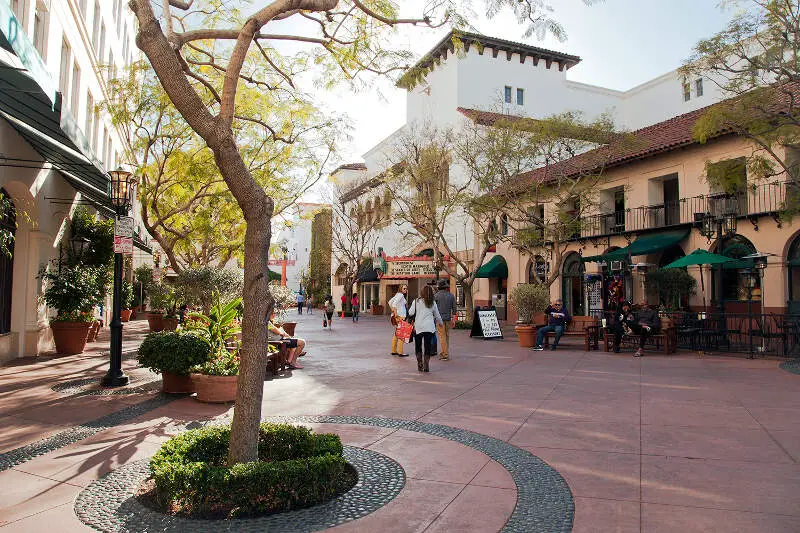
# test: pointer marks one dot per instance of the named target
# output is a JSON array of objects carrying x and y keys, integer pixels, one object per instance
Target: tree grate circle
[{"x": 109, "y": 504}]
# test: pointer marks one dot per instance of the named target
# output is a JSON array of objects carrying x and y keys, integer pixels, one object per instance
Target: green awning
[
  {"x": 794, "y": 262},
  {"x": 643, "y": 245},
  {"x": 495, "y": 267}
]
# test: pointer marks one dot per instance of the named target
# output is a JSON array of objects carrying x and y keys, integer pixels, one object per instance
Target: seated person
[
  {"x": 623, "y": 320},
  {"x": 557, "y": 322},
  {"x": 296, "y": 346},
  {"x": 647, "y": 323}
]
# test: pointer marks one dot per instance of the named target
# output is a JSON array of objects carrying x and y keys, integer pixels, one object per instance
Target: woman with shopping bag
[
  {"x": 426, "y": 317},
  {"x": 397, "y": 304}
]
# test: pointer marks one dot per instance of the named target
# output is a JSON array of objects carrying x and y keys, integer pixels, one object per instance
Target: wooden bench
[
  {"x": 665, "y": 340},
  {"x": 580, "y": 326},
  {"x": 277, "y": 361}
]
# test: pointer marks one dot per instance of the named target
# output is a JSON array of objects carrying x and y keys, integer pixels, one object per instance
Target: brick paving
[{"x": 661, "y": 443}]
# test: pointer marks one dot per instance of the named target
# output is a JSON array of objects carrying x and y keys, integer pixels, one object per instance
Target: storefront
[
  {"x": 496, "y": 271},
  {"x": 394, "y": 272}
]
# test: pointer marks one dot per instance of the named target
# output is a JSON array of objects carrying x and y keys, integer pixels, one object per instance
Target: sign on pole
[
  {"x": 123, "y": 245},
  {"x": 123, "y": 227}
]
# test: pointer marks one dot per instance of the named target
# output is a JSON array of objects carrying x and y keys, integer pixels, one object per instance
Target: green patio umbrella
[{"x": 699, "y": 257}]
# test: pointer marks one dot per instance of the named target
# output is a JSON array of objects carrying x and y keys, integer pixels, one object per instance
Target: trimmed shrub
[
  {"x": 296, "y": 468},
  {"x": 172, "y": 351},
  {"x": 463, "y": 325}
]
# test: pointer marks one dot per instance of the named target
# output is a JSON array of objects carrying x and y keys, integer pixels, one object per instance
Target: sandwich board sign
[{"x": 485, "y": 324}]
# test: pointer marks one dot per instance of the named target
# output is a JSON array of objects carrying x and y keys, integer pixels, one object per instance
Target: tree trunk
[{"x": 468, "y": 301}]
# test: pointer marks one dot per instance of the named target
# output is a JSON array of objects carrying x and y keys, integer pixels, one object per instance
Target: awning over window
[
  {"x": 643, "y": 245},
  {"x": 495, "y": 267},
  {"x": 30, "y": 111}
]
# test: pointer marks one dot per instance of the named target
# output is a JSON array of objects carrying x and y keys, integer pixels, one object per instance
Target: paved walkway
[{"x": 661, "y": 443}]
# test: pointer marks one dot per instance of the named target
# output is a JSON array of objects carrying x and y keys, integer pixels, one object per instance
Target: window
[
  {"x": 537, "y": 270},
  {"x": 507, "y": 95},
  {"x": 698, "y": 86},
  {"x": 89, "y": 118},
  {"x": 76, "y": 90},
  {"x": 101, "y": 51},
  {"x": 96, "y": 27},
  {"x": 63, "y": 74},
  {"x": 520, "y": 96},
  {"x": 728, "y": 182},
  {"x": 20, "y": 8},
  {"x": 40, "y": 29},
  {"x": 105, "y": 146},
  {"x": 687, "y": 91},
  {"x": 504, "y": 224},
  {"x": 96, "y": 131}
]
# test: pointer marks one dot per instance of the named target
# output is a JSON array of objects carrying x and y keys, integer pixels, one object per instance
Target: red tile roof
[{"x": 350, "y": 166}]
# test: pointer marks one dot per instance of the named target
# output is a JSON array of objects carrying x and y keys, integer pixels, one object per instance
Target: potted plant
[
  {"x": 171, "y": 317},
  {"x": 158, "y": 294},
  {"x": 127, "y": 301},
  {"x": 377, "y": 308},
  {"x": 528, "y": 299},
  {"x": 173, "y": 354},
  {"x": 73, "y": 292},
  {"x": 215, "y": 380}
]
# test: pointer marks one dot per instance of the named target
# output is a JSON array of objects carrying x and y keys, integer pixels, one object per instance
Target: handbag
[{"x": 404, "y": 330}]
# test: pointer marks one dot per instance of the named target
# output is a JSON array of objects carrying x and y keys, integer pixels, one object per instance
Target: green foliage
[
  {"x": 295, "y": 469},
  {"x": 99, "y": 252},
  {"x": 729, "y": 176},
  {"x": 461, "y": 324},
  {"x": 159, "y": 296},
  {"x": 143, "y": 278},
  {"x": 671, "y": 284},
  {"x": 199, "y": 284},
  {"x": 171, "y": 351},
  {"x": 127, "y": 294},
  {"x": 529, "y": 299},
  {"x": 223, "y": 363},
  {"x": 75, "y": 290},
  {"x": 318, "y": 282},
  {"x": 7, "y": 211},
  {"x": 218, "y": 327}
]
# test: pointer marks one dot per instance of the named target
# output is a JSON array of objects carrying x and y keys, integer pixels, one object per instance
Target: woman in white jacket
[
  {"x": 426, "y": 318},
  {"x": 397, "y": 304}
]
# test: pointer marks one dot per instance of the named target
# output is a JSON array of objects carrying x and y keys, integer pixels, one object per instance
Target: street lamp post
[
  {"x": 719, "y": 226},
  {"x": 122, "y": 183}
]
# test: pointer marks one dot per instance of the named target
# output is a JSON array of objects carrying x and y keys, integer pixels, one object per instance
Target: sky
[{"x": 622, "y": 43}]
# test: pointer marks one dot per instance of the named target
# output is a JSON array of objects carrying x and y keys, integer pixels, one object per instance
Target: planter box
[
  {"x": 125, "y": 314},
  {"x": 526, "y": 334},
  {"x": 215, "y": 389},
  {"x": 176, "y": 383},
  {"x": 70, "y": 337},
  {"x": 155, "y": 321}
]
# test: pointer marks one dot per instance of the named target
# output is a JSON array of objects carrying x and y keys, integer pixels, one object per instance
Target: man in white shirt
[{"x": 397, "y": 304}]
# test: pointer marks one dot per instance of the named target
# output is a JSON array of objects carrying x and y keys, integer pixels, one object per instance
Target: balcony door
[{"x": 672, "y": 198}]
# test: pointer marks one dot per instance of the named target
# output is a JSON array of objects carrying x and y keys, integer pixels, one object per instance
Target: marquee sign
[{"x": 410, "y": 269}]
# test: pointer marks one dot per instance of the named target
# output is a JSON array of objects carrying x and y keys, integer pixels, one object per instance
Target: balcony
[{"x": 760, "y": 199}]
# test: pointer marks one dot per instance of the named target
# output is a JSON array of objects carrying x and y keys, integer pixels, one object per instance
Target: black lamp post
[
  {"x": 122, "y": 183},
  {"x": 722, "y": 226}
]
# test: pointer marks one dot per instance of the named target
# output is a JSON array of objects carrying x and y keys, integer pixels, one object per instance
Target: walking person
[
  {"x": 557, "y": 322},
  {"x": 301, "y": 300},
  {"x": 446, "y": 303},
  {"x": 647, "y": 323},
  {"x": 310, "y": 304},
  {"x": 355, "y": 305},
  {"x": 426, "y": 319},
  {"x": 344, "y": 303},
  {"x": 329, "y": 309},
  {"x": 397, "y": 305}
]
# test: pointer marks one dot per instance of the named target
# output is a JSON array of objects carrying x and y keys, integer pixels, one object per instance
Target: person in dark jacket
[
  {"x": 558, "y": 317},
  {"x": 624, "y": 318},
  {"x": 647, "y": 323}
]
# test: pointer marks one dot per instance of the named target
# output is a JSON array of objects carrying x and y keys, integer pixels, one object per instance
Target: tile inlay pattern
[
  {"x": 109, "y": 504},
  {"x": 792, "y": 366},
  {"x": 544, "y": 500},
  {"x": 72, "y": 435},
  {"x": 91, "y": 387}
]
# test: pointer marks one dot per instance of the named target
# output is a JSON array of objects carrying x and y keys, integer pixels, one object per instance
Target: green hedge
[
  {"x": 295, "y": 469},
  {"x": 173, "y": 351},
  {"x": 463, "y": 325}
]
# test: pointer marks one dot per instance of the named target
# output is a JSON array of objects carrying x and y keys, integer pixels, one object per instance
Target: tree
[
  {"x": 355, "y": 237},
  {"x": 318, "y": 278},
  {"x": 203, "y": 67},
  {"x": 755, "y": 62},
  {"x": 185, "y": 205}
]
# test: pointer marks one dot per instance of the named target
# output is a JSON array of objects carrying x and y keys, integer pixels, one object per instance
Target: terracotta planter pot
[
  {"x": 176, "y": 383},
  {"x": 377, "y": 310},
  {"x": 288, "y": 327},
  {"x": 125, "y": 315},
  {"x": 155, "y": 321},
  {"x": 94, "y": 329},
  {"x": 215, "y": 389},
  {"x": 70, "y": 337},
  {"x": 526, "y": 334},
  {"x": 170, "y": 324}
]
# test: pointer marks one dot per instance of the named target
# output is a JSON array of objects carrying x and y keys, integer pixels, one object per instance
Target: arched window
[
  {"x": 8, "y": 228},
  {"x": 537, "y": 270},
  {"x": 341, "y": 272},
  {"x": 504, "y": 224},
  {"x": 740, "y": 280},
  {"x": 793, "y": 264},
  {"x": 572, "y": 284}
]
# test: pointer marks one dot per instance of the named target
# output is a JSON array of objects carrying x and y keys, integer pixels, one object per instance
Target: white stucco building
[
  {"x": 57, "y": 143},
  {"x": 491, "y": 74}
]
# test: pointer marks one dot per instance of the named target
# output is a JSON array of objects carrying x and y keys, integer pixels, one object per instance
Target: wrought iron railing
[
  {"x": 754, "y": 334},
  {"x": 760, "y": 199}
]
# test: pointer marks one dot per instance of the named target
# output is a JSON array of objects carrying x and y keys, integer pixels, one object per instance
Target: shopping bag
[{"x": 404, "y": 330}]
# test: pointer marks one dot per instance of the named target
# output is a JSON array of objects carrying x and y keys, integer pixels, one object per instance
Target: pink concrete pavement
[{"x": 662, "y": 443}]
